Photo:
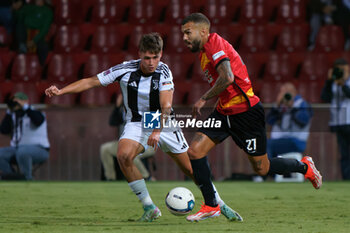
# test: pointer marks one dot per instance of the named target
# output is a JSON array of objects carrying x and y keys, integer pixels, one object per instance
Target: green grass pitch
[{"x": 111, "y": 207}]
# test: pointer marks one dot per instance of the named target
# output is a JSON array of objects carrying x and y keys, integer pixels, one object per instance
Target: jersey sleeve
[
  {"x": 166, "y": 79},
  {"x": 114, "y": 74},
  {"x": 216, "y": 51}
]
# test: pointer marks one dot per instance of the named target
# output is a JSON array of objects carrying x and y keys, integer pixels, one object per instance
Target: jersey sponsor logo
[
  {"x": 218, "y": 54},
  {"x": 133, "y": 84},
  {"x": 151, "y": 120}
]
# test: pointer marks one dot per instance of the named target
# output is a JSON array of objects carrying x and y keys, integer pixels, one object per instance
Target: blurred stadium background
[{"x": 88, "y": 36}]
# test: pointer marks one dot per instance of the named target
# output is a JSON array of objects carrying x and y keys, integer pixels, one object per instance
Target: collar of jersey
[{"x": 143, "y": 74}]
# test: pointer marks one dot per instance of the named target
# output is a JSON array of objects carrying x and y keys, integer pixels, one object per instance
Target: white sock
[
  {"x": 140, "y": 189},
  {"x": 217, "y": 196}
]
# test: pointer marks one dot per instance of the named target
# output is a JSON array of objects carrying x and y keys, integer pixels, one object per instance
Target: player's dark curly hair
[
  {"x": 151, "y": 42},
  {"x": 196, "y": 18}
]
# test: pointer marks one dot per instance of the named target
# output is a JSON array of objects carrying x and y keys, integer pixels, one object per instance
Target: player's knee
[
  {"x": 193, "y": 153},
  {"x": 125, "y": 159}
]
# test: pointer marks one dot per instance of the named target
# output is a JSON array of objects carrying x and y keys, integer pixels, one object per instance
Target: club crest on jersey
[
  {"x": 155, "y": 85},
  {"x": 151, "y": 120}
]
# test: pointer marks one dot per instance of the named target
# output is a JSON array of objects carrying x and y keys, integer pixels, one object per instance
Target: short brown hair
[{"x": 151, "y": 42}]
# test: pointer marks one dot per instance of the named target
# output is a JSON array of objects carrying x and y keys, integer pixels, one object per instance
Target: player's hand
[
  {"x": 340, "y": 82},
  {"x": 52, "y": 91},
  {"x": 196, "y": 110},
  {"x": 154, "y": 139},
  {"x": 21, "y": 102},
  {"x": 329, "y": 75}
]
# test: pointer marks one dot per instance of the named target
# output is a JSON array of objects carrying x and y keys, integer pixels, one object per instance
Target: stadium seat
[
  {"x": 255, "y": 39},
  {"x": 269, "y": 91},
  {"x": 6, "y": 59},
  {"x": 144, "y": 11},
  {"x": 4, "y": 39},
  {"x": 179, "y": 64},
  {"x": 116, "y": 58},
  {"x": 95, "y": 97},
  {"x": 109, "y": 11},
  {"x": 311, "y": 90},
  {"x": 68, "y": 12},
  {"x": 135, "y": 36},
  {"x": 68, "y": 39},
  {"x": 26, "y": 68},
  {"x": 219, "y": 11},
  {"x": 291, "y": 11},
  {"x": 182, "y": 89},
  {"x": 257, "y": 85},
  {"x": 62, "y": 101},
  {"x": 198, "y": 89},
  {"x": 254, "y": 63},
  {"x": 2, "y": 96},
  {"x": 231, "y": 32},
  {"x": 254, "y": 12},
  {"x": 293, "y": 38},
  {"x": 107, "y": 39},
  {"x": 6, "y": 88},
  {"x": 279, "y": 68},
  {"x": 330, "y": 38},
  {"x": 3, "y": 69},
  {"x": 177, "y": 10},
  {"x": 162, "y": 29},
  {"x": 28, "y": 88},
  {"x": 175, "y": 43},
  {"x": 95, "y": 64},
  {"x": 62, "y": 69},
  {"x": 314, "y": 67}
]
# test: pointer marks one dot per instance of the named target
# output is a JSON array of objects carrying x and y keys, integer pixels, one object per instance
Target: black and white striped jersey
[{"x": 140, "y": 91}]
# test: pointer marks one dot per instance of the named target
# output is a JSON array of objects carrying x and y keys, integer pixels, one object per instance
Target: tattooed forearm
[{"x": 224, "y": 80}]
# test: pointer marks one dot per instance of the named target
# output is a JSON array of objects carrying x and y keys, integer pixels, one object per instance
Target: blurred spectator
[
  {"x": 290, "y": 120},
  {"x": 337, "y": 92},
  {"x": 108, "y": 150},
  {"x": 342, "y": 18},
  {"x": 329, "y": 12},
  {"x": 320, "y": 13},
  {"x": 33, "y": 24},
  {"x": 6, "y": 14},
  {"x": 29, "y": 144}
]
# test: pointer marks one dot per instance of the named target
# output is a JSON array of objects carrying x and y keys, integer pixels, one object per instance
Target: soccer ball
[{"x": 180, "y": 201}]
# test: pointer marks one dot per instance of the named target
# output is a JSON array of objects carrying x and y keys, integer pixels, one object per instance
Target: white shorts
[{"x": 171, "y": 139}]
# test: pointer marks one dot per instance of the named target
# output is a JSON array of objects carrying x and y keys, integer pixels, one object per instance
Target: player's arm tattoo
[
  {"x": 259, "y": 165},
  {"x": 224, "y": 80},
  {"x": 166, "y": 107},
  {"x": 165, "y": 100}
]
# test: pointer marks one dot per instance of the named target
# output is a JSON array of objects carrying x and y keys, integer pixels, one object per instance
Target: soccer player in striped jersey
[
  {"x": 147, "y": 86},
  {"x": 239, "y": 110}
]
